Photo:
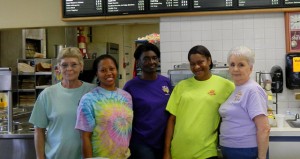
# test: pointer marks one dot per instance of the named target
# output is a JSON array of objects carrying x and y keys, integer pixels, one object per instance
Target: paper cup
[{"x": 280, "y": 120}]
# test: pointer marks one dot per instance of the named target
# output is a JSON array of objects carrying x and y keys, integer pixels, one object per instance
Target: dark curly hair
[{"x": 146, "y": 47}]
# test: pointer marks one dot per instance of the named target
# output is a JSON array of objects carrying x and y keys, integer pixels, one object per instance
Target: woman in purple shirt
[
  {"x": 244, "y": 128},
  {"x": 150, "y": 93}
]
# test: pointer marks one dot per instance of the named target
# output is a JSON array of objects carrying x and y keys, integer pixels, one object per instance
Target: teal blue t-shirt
[{"x": 55, "y": 110}]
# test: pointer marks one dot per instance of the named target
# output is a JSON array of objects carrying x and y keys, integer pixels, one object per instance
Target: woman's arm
[
  {"x": 169, "y": 136},
  {"x": 262, "y": 135},
  {"x": 87, "y": 148},
  {"x": 39, "y": 142}
]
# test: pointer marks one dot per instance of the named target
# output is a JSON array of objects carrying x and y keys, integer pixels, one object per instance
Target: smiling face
[
  {"x": 70, "y": 68},
  {"x": 200, "y": 65},
  {"x": 239, "y": 69},
  {"x": 107, "y": 74},
  {"x": 149, "y": 62}
]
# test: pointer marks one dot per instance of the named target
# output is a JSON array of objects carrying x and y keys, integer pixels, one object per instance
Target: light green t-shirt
[
  {"x": 55, "y": 109},
  {"x": 195, "y": 105}
]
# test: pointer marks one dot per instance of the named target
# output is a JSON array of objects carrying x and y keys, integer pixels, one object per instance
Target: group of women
[{"x": 147, "y": 119}]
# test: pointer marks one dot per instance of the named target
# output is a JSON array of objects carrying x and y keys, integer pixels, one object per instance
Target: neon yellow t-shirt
[{"x": 195, "y": 105}]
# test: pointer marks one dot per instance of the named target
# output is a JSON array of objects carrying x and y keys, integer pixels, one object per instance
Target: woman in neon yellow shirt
[{"x": 192, "y": 130}]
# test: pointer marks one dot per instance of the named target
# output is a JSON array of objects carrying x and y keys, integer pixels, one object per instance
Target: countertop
[
  {"x": 286, "y": 130},
  {"x": 17, "y": 136}
]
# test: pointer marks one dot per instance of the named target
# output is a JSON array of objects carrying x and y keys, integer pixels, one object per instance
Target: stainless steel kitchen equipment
[
  {"x": 33, "y": 41},
  {"x": 265, "y": 81},
  {"x": 182, "y": 71},
  {"x": 6, "y": 100},
  {"x": 15, "y": 142},
  {"x": 58, "y": 48}
]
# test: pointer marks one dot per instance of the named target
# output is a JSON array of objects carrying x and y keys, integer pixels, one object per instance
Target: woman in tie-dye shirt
[{"x": 105, "y": 114}]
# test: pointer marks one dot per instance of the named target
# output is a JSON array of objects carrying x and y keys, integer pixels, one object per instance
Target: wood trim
[
  {"x": 194, "y": 13},
  {"x": 288, "y": 32}
]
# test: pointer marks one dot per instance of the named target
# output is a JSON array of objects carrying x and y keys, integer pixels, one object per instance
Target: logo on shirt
[
  {"x": 165, "y": 89},
  {"x": 237, "y": 96},
  {"x": 212, "y": 92}
]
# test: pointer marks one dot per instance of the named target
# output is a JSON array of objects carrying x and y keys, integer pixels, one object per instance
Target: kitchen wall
[
  {"x": 262, "y": 32},
  {"x": 122, "y": 34},
  {"x": 10, "y": 48}
]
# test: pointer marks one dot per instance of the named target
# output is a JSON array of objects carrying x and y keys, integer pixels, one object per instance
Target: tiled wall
[{"x": 264, "y": 33}]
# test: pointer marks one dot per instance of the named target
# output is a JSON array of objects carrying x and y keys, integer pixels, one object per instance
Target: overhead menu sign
[
  {"x": 81, "y": 8},
  {"x": 125, "y": 6},
  {"x": 105, "y": 8},
  {"x": 212, "y": 3},
  {"x": 292, "y": 2},
  {"x": 258, "y": 3},
  {"x": 168, "y": 5}
]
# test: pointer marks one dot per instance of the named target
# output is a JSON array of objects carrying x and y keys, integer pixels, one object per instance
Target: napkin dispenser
[{"x": 277, "y": 79}]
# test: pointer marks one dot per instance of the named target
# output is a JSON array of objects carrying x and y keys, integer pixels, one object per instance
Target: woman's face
[
  {"x": 107, "y": 74},
  {"x": 239, "y": 69},
  {"x": 70, "y": 68},
  {"x": 199, "y": 65},
  {"x": 149, "y": 61}
]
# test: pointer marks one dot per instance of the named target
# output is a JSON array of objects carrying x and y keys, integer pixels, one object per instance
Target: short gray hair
[
  {"x": 70, "y": 52},
  {"x": 242, "y": 51}
]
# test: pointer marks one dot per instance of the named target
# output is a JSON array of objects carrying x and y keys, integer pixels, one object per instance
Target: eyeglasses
[
  {"x": 72, "y": 65},
  {"x": 148, "y": 59}
]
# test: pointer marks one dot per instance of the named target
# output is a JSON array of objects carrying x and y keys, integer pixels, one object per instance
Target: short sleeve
[
  {"x": 256, "y": 103},
  {"x": 174, "y": 100},
  {"x": 39, "y": 116},
  {"x": 85, "y": 114}
]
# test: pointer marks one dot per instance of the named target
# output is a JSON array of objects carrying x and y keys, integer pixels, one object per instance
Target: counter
[
  {"x": 285, "y": 131},
  {"x": 19, "y": 145},
  {"x": 284, "y": 142}
]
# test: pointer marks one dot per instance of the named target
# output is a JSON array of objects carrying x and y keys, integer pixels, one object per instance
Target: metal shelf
[
  {"x": 25, "y": 73},
  {"x": 26, "y": 90},
  {"x": 42, "y": 87},
  {"x": 43, "y": 73}
]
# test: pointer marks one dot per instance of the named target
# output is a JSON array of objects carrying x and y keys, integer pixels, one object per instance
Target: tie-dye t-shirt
[{"x": 108, "y": 114}]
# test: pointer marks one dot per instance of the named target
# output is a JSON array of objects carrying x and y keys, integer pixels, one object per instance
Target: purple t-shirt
[
  {"x": 238, "y": 129},
  {"x": 150, "y": 117}
]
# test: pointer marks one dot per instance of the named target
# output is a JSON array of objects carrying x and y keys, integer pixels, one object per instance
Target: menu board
[
  {"x": 81, "y": 8},
  {"x": 94, "y": 8},
  {"x": 212, "y": 3},
  {"x": 125, "y": 6},
  {"x": 258, "y": 3},
  {"x": 292, "y": 2},
  {"x": 162, "y": 5}
]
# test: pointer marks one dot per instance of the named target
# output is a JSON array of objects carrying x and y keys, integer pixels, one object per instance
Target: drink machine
[{"x": 5, "y": 100}]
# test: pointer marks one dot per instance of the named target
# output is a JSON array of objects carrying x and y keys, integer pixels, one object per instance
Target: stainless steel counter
[{"x": 18, "y": 145}]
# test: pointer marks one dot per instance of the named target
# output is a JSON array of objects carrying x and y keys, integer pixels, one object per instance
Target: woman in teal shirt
[{"x": 55, "y": 110}]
